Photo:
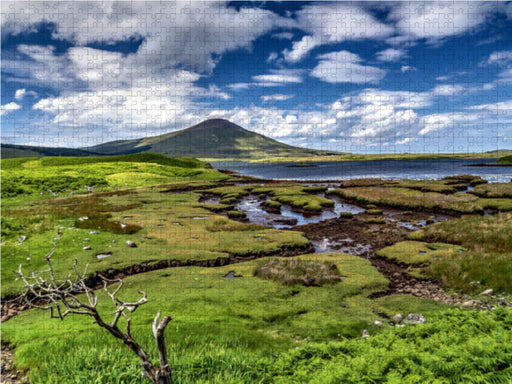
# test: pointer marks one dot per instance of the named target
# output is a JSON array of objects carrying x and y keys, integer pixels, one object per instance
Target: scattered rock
[
  {"x": 398, "y": 318},
  {"x": 93, "y": 233},
  {"x": 130, "y": 244},
  {"x": 100, "y": 256},
  {"x": 87, "y": 248},
  {"x": 366, "y": 334},
  {"x": 21, "y": 239},
  {"x": 87, "y": 239},
  {"x": 415, "y": 319},
  {"x": 83, "y": 218},
  {"x": 377, "y": 322},
  {"x": 469, "y": 303},
  {"x": 488, "y": 292}
]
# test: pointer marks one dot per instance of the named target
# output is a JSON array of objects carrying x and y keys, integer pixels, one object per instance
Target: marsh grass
[
  {"x": 488, "y": 260},
  {"x": 297, "y": 271},
  {"x": 296, "y": 196}
]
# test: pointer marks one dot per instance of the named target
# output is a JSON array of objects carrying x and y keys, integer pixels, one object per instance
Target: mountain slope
[
  {"x": 215, "y": 138},
  {"x": 11, "y": 150}
]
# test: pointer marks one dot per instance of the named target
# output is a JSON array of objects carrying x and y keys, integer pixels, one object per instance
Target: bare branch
[{"x": 61, "y": 299}]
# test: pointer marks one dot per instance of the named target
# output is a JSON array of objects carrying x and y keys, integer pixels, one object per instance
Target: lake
[{"x": 383, "y": 169}]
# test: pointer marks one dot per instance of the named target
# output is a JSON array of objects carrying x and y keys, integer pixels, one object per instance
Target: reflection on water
[{"x": 288, "y": 217}]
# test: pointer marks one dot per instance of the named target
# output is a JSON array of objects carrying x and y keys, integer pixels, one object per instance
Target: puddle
[
  {"x": 341, "y": 246},
  {"x": 288, "y": 217}
]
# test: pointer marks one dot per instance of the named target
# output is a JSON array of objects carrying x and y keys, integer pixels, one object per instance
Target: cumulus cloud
[
  {"x": 334, "y": 23},
  {"x": 21, "y": 93},
  {"x": 200, "y": 30},
  {"x": 437, "y": 20},
  {"x": 391, "y": 54},
  {"x": 345, "y": 67},
  {"x": 12, "y": 106}
]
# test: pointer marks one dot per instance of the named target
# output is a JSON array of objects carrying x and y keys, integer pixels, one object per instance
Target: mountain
[
  {"x": 12, "y": 150},
  {"x": 214, "y": 138}
]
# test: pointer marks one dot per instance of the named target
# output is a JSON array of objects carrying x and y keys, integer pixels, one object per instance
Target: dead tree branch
[{"x": 44, "y": 291}]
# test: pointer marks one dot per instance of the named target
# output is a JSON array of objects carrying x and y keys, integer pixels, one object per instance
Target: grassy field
[
  {"x": 389, "y": 156},
  {"x": 278, "y": 319},
  {"x": 434, "y": 195}
]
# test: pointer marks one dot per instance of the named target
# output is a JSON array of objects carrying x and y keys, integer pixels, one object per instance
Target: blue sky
[{"x": 365, "y": 77}]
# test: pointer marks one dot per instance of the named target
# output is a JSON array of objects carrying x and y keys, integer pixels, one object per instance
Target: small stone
[
  {"x": 487, "y": 292},
  {"x": 366, "y": 334},
  {"x": 130, "y": 244},
  {"x": 93, "y": 233},
  {"x": 83, "y": 218},
  {"x": 377, "y": 322},
  {"x": 415, "y": 319},
  {"x": 21, "y": 239},
  {"x": 469, "y": 303},
  {"x": 87, "y": 248},
  {"x": 398, "y": 318}
]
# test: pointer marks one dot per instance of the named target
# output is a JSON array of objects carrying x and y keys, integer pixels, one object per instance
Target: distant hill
[
  {"x": 215, "y": 138},
  {"x": 11, "y": 150}
]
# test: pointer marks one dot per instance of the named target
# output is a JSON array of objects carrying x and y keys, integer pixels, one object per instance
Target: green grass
[
  {"x": 503, "y": 190},
  {"x": 416, "y": 252},
  {"x": 220, "y": 326},
  {"x": 50, "y": 176},
  {"x": 413, "y": 199},
  {"x": 297, "y": 196},
  {"x": 165, "y": 226},
  {"x": 488, "y": 260}
]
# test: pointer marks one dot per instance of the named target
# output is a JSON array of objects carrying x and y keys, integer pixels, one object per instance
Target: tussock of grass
[
  {"x": 236, "y": 214},
  {"x": 416, "y": 252},
  {"x": 488, "y": 260},
  {"x": 223, "y": 225},
  {"x": 298, "y": 271},
  {"x": 494, "y": 190}
]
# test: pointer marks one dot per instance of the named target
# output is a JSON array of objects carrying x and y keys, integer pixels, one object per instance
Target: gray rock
[
  {"x": 415, "y": 319},
  {"x": 469, "y": 303},
  {"x": 21, "y": 239},
  {"x": 87, "y": 248},
  {"x": 398, "y": 318},
  {"x": 130, "y": 244},
  {"x": 366, "y": 334},
  {"x": 487, "y": 292}
]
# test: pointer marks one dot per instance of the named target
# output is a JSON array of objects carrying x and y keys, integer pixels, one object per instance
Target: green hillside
[
  {"x": 215, "y": 138},
  {"x": 11, "y": 150}
]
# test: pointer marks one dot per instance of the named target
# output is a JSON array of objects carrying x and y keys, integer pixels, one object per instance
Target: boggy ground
[{"x": 360, "y": 237}]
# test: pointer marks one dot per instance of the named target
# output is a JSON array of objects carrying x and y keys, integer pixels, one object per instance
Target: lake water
[{"x": 383, "y": 169}]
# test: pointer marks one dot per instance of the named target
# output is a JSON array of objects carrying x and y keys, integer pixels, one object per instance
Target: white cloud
[
  {"x": 437, "y": 20},
  {"x": 345, "y": 67},
  {"x": 500, "y": 108},
  {"x": 441, "y": 121},
  {"x": 10, "y": 107},
  {"x": 279, "y": 77},
  {"x": 500, "y": 58},
  {"x": 334, "y": 23},
  {"x": 276, "y": 97},
  {"x": 21, "y": 93},
  {"x": 391, "y": 54},
  {"x": 283, "y": 35},
  {"x": 448, "y": 89},
  {"x": 407, "y": 68},
  {"x": 200, "y": 30}
]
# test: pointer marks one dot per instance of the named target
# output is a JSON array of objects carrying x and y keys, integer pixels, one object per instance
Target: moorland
[{"x": 256, "y": 302}]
